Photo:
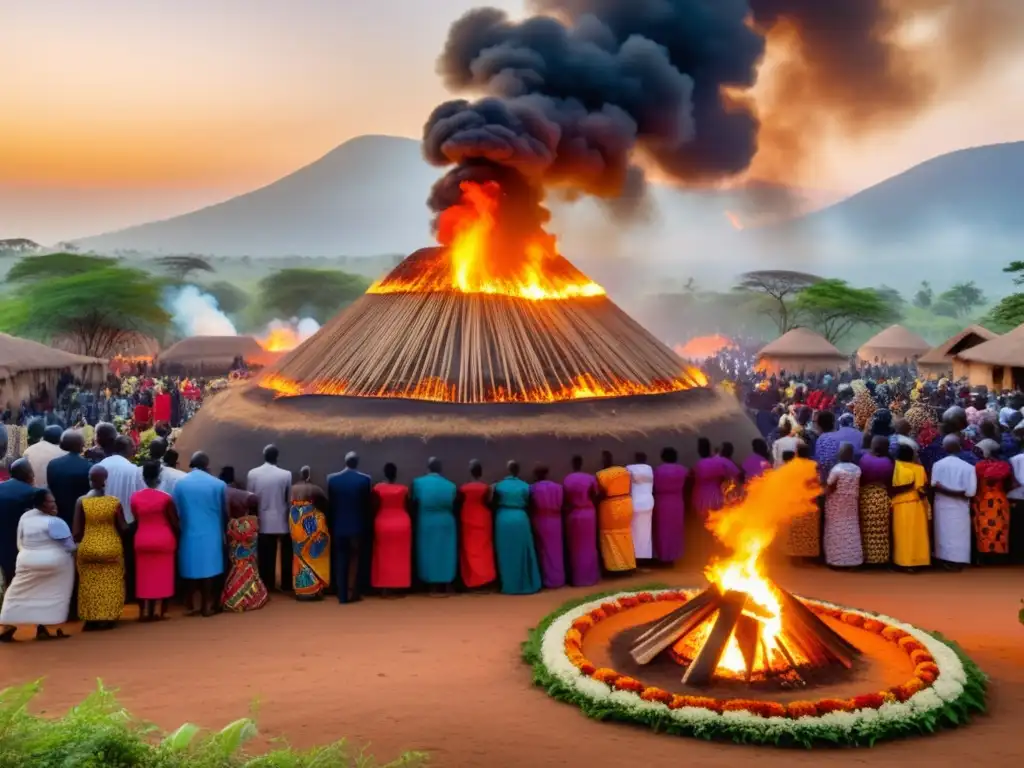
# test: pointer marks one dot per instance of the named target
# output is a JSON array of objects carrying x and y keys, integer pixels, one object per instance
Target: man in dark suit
[
  {"x": 349, "y": 502},
  {"x": 68, "y": 476},
  {"x": 15, "y": 498}
]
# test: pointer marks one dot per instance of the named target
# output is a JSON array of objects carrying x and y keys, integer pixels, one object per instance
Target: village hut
[
  {"x": 941, "y": 361},
  {"x": 893, "y": 346},
  {"x": 997, "y": 364},
  {"x": 129, "y": 347},
  {"x": 27, "y": 365},
  {"x": 425, "y": 366},
  {"x": 800, "y": 351},
  {"x": 212, "y": 355}
]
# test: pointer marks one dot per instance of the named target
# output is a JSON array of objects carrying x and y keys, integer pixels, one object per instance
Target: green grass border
[{"x": 952, "y": 714}]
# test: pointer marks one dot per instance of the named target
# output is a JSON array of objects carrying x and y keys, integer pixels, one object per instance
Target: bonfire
[
  {"x": 744, "y": 626},
  {"x": 483, "y": 318}
]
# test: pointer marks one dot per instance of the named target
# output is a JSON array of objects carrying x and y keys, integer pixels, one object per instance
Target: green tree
[
  {"x": 892, "y": 297},
  {"x": 54, "y": 265},
  {"x": 834, "y": 308},
  {"x": 316, "y": 293},
  {"x": 781, "y": 287},
  {"x": 961, "y": 297},
  {"x": 180, "y": 267},
  {"x": 924, "y": 296},
  {"x": 1009, "y": 312},
  {"x": 98, "y": 310},
  {"x": 230, "y": 299}
]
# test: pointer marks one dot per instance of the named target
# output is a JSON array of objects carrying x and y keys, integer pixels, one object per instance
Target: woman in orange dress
[
  {"x": 615, "y": 516},
  {"x": 391, "y": 566},
  {"x": 990, "y": 505},
  {"x": 476, "y": 531}
]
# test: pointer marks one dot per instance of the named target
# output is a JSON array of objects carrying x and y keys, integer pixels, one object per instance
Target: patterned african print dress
[
  {"x": 244, "y": 590},
  {"x": 875, "y": 519},
  {"x": 615, "y": 520},
  {"x": 101, "y": 589},
  {"x": 991, "y": 508},
  {"x": 842, "y": 522},
  {"x": 311, "y": 550}
]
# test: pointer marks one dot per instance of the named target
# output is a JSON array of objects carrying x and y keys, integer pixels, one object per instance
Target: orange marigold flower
[
  {"x": 921, "y": 657},
  {"x": 574, "y": 636},
  {"x": 582, "y": 624},
  {"x": 625, "y": 683},
  {"x": 927, "y": 666},
  {"x": 606, "y": 675},
  {"x": 868, "y": 701},
  {"x": 908, "y": 689},
  {"x": 629, "y": 602},
  {"x": 698, "y": 702},
  {"x": 926, "y": 676},
  {"x": 835, "y": 613},
  {"x": 610, "y": 609},
  {"x": 598, "y": 614},
  {"x": 588, "y": 669},
  {"x": 796, "y": 709},
  {"x": 645, "y": 597},
  {"x": 909, "y": 644},
  {"x": 889, "y": 696},
  {"x": 894, "y": 634},
  {"x": 853, "y": 619},
  {"x": 873, "y": 625},
  {"x": 656, "y": 694},
  {"x": 833, "y": 705}
]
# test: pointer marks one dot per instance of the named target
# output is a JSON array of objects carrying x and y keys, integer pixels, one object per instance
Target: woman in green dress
[
  {"x": 437, "y": 554},
  {"x": 518, "y": 569}
]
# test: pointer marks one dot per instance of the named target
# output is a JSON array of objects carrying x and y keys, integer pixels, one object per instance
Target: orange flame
[
  {"x": 702, "y": 347},
  {"x": 280, "y": 339},
  {"x": 474, "y": 262},
  {"x": 435, "y": 390},
  {"x": 748, "y": 528}
]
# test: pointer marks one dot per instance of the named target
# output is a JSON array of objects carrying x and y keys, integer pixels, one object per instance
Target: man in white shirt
[
  {"x": 955, "y": 484},
  {"x": 123, "y": 480},
  {"x": 169, "y": 472},
  {"x": 272, "y": 487},
  {"x": 42, "y": 453}
]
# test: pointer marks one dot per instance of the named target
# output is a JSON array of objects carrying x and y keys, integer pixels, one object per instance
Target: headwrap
[
  {"x": 881, "y": 423},
  {"x": 846, "y": 420},
  {"x": 987, "y": 447}
]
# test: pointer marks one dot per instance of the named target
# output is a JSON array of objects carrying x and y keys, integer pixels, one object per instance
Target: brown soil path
[{"x": 445, "y": 675}]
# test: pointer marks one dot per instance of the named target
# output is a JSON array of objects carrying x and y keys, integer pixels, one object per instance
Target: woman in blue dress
[
  {"x": 518, "y": 569},
  {"x": 437, "y": 554}
]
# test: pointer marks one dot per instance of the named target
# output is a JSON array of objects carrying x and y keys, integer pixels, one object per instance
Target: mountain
[{"x": 366, "y": 197}]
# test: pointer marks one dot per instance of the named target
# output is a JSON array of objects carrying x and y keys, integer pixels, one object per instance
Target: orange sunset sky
[{"x": 118, "y": 111}]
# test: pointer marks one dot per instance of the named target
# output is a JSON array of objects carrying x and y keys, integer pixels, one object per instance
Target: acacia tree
[
  {"x": 781, "y": 287},
  {"x": 99, "y": 311},
  {"x": 180, "y": 267},
  {"x": 959, "y": 300},
  {"x": 924, "y": 296},
  {"x": 53, "y": 265},
  {"x": 230, "y": 299},
  {"x": 834, "y": 308},
  {"x": 316, "y": 293},
  {"x": 1009, "y": 312}
]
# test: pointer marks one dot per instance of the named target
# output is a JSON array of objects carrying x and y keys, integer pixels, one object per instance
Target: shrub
[{"x": 99, "y": 733}]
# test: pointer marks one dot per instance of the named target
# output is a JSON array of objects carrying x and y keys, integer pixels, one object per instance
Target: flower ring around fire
[{"x": 942, "y": 687}]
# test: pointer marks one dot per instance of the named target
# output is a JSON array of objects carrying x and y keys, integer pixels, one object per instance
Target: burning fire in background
[
  {"x": 282, "y": 336},
  {"x": 748, "y": 528},
  {"x": 703, "y": 347}
]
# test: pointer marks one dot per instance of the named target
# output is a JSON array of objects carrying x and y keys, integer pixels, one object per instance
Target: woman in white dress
[
  {"x": 641, "y": 479},
  {"x": 45, "y": 575}
]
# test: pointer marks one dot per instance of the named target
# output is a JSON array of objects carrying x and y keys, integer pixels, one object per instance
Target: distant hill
[{"x": 366, "y": 197}]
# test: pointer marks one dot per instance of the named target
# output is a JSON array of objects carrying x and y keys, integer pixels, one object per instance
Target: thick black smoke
[{"x": 575, "y": 97}]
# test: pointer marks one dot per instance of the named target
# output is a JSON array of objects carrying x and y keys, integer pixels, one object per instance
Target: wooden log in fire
[{"x": 702, "y": 669}]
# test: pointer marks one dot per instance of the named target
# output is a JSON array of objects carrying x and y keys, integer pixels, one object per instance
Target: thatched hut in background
[
  {"x": 130, "y": 347},
  {"x": 801, "y": 351},
  {"x": 26, "y": 365},
  {"x": 997, "y": 364},
  {"x": 941, "y": 361},
  {"x": 212, "y": 355},
  {"x": 893, "y": 346}
]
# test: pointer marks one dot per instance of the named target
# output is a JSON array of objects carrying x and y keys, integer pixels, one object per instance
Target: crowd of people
[{"x": 913, "y": 473}]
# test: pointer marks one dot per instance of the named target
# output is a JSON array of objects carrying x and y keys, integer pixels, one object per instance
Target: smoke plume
[
  {"x": 583, "y": 97},
  {"x": 195, "y": 313}
]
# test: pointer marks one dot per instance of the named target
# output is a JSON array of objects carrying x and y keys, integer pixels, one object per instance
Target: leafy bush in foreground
[{"x": 99, "y": 733}]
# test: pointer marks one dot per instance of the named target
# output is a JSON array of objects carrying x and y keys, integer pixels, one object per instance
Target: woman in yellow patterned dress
[
  {"x": 98, "y": 525},
  {"x": 615, "y": 516}
]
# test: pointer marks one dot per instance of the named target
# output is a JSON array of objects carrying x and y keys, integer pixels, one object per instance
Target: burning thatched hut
[
  {"x": 26, "y": 365},
  {"x": 941, "y": 361},
  {"x": 800, "y": 350},
  {"x": 893, "y": 346},
  {"x": 427, "y": 364}
]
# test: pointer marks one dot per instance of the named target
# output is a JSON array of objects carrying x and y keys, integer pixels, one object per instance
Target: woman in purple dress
[
  {"x": 709, "y": 476},
  {"x": 759, "y": 460},
  {"x": 669, "y": 506},
  {"x": 875, "y": 514},
  {"x": 581, "y": 525},
  {"x": 546, "y": 516}
]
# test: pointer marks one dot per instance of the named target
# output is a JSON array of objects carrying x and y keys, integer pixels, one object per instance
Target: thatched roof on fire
[
  {"x": 801, "y": 342},
  {"x": 893, "y": 345},
  {"x": 969, "y": 337},
  {"x": 475, "y": 347},
  {"x": 1005, "y": 350}
]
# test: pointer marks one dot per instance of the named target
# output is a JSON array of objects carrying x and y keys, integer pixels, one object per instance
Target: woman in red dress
[
  {"x": 391, "y": 567},
  {"x": 476, "y": 531},
  {"x": 156, "y": 543}
]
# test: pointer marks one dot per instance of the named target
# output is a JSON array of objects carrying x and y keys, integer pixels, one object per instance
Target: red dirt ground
[{"x": 445, "y": 676}]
